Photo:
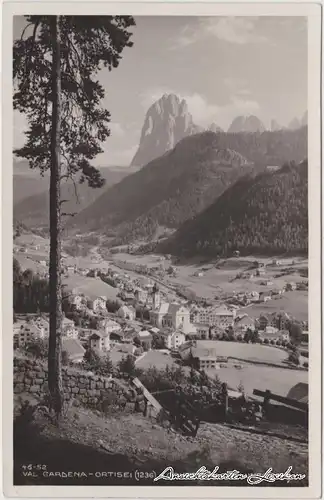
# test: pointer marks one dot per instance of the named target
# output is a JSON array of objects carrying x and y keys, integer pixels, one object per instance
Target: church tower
[{"x": 156, "y": 297}]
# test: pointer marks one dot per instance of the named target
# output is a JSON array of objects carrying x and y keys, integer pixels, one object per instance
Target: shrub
[
  {"x": 37, "y": 348},
  {"x": 65, "y": 358},
  {"x": 294, "y": 358},
  {"x": 266, "y": 341},
  {"x": 305, "y": 364},
  {"x": 127, "y": 365}
]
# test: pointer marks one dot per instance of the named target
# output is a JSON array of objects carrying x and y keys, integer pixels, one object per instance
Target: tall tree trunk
[{"x": 55, "y": 294}]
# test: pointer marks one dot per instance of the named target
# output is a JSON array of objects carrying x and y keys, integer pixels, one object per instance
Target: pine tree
[{"x": 54, "y": 70}]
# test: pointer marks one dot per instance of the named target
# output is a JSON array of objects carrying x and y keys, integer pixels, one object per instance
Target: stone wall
[{"x": 31, "y": 376}]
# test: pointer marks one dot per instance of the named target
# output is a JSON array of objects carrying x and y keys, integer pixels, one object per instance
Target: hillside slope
[
  {"x": 265, "y": 214},
  {"x": 166, "y": 192},
  {"x": 33, "y": 208},
  {"x": 184, "y": 181}
]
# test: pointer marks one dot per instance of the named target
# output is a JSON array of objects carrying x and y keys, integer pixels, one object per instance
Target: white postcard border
[{"x": 314, "y": 13}]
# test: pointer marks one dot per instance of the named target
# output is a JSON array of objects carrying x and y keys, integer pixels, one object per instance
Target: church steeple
[{"x": 156, "y": 297}]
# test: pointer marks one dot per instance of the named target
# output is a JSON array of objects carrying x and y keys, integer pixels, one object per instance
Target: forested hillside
[
  {"x": 166, "y": 192},
  {"x": 265, "y": 214}
]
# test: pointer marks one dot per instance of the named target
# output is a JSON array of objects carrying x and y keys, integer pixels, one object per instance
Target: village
[{"x": 121, "y": 309}]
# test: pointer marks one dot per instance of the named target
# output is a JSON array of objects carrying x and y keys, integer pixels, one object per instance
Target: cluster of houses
[
  {"x": 174, "y": 322},
  {"x": 246, "y": 298}
]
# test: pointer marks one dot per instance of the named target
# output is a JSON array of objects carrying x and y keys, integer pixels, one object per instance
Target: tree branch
[
  {"x": 67, "y": 214},
  {"x": 23, "y": 32},
  {"x": 28, "y": 59}
]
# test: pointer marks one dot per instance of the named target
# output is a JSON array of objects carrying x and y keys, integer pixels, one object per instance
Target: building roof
[
  {"x": 67, "y": 322},
  {"x": 203, "y": 353},
  {"x": 126, "y": 309},
  {"x": 73, "y": 347},
  {"x": 30, "y": 327},
  {"x": 111, "y": 322},
  {"x": 299, "y": 392},
  {"x": 188, "y": 329},
  {"x": 144, "y": 334},
  {"x": 244, "y": 320},
  {"x": 126, "y": 348},
  {"x": 170, "y": 333},
  {"x": 99, "y": 333}
]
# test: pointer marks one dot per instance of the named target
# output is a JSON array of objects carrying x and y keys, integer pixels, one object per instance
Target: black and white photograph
[{"x": 161, "y": 211}]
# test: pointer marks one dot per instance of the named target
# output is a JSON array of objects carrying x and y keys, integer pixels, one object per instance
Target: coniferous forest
[{"x": 265, "y": 214}]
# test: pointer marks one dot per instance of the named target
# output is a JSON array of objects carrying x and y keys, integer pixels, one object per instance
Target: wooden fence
[{"x": 269, "y": 396}]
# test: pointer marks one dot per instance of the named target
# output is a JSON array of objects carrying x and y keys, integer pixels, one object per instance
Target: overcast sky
[{"x": 222, "y": 66}]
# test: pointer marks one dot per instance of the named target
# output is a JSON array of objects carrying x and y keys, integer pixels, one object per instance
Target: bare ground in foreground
[{"x": 87, "y": 442}]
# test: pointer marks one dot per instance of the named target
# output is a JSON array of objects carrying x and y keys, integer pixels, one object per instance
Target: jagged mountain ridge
[
  {"x": 249, "y": 123},
  {"x": 166, "y": 122}
]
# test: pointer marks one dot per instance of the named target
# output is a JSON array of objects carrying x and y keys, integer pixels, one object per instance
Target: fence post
[
  {"x": 225, "y": 399},
  {"x": 266, "y": 401}
]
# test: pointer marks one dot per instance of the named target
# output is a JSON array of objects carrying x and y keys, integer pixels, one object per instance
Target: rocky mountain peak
[
  {"x": 249, "y": 123},
  {"x": 166, "y": 122},
  {"x": 215, "y": 128},
  {"x": 275, "y": 125},
  {"x": 294, "y": 124}
]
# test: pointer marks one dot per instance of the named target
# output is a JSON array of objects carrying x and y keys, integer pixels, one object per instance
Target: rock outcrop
[
  {"x": 246, "y": 124},
  {"x": 294, "y": 124},
  {"x": 275, "y": 125},
  {"x": 215, "y": 128},
  {"x": 166, "y": 123},
  {"x": 304, "y": 120}
]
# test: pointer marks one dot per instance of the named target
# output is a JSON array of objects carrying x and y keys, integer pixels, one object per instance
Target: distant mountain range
[
  {"x": 168, "y": 121},
  {"x": 178, "y": 173},
  {"x": 246, "y": 124},
  {"x": 262, "y": 214},
  {"x": 31, "y": 196},
  {"x": 183, "y": 182}
]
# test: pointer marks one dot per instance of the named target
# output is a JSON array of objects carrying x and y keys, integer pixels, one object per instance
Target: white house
[
  {"x": 271, "y": 330},
  {"x": 127, "y": 312},
  {"x": 78, "y": 302},
  {"x": 43, "y": 324},
  {"x": 145, "y": 339},
  {"x": 100, "y": 341},
  {"x": 27, "y": 333},
  {"x": 221, "y": 317},
  {"x": 141, "y": 295},
  {"x": 244, "y": 323},
  {"x": 98, "y": 304},
  {"x": 202, "y": 330},
  {"x": 173, "y": 340},
  {"x": 111, "y": 326},
  {"x": 68, "y": 328}
]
